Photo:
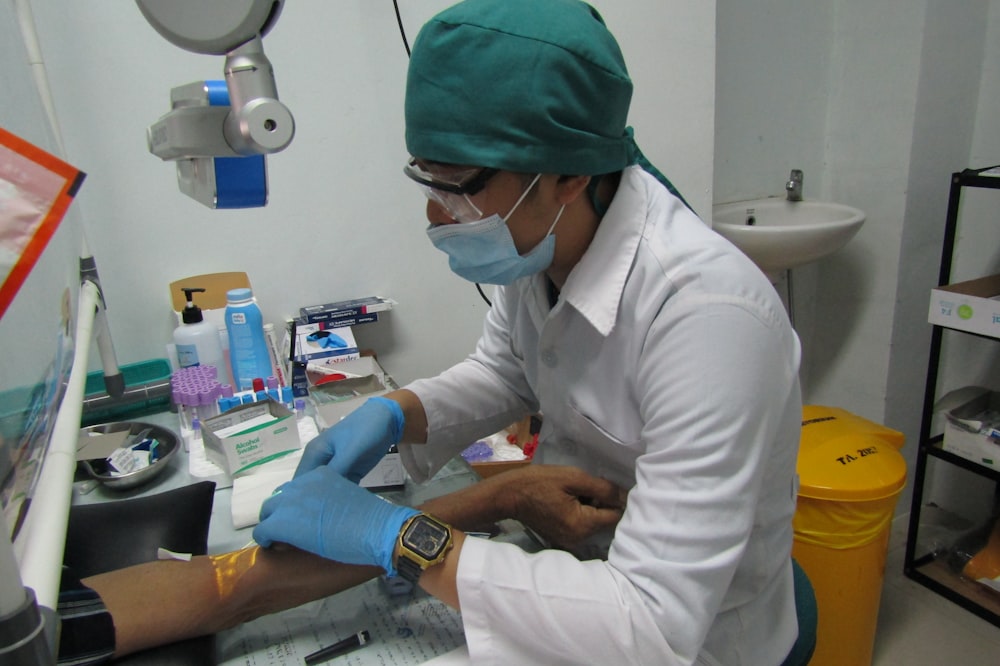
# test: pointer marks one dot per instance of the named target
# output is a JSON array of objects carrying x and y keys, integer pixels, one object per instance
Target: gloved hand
[
  {"x": 324, "y": 513},
  {"x": 355, "y": 445}
]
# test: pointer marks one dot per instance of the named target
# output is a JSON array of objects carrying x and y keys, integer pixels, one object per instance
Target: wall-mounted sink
[{"x": 778, "y": 234}]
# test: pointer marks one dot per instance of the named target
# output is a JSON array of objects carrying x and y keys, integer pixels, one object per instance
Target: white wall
[
  {"x": 771, "y": 95},
  {"x": 30, "y": 329},
  {"x": 968, "y": 360},
  {"x": 879, "y": 102},
  {"x": 342, "y": 221},
  {"x": 953, "y": 100},
  {"x": 796, "y": 89}
]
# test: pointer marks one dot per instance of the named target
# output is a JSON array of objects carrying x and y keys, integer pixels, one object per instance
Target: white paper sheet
[{"x": 409, "y": 629}]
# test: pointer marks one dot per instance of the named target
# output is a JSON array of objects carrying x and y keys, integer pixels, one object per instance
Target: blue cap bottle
[{"x": 248, "y": 353}]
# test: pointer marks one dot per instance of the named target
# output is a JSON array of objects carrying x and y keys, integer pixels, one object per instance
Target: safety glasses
[{"x": 451, "y": 188}]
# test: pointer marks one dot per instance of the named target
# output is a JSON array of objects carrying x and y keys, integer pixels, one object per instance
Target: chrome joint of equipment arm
[{"x": 219, "y": 132}]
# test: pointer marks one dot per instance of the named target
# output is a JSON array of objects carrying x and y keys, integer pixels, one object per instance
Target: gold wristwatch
[{"x": 423, "y": 542}]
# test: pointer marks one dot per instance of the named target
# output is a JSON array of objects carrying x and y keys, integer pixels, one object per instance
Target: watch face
[{"x": 426, "y": 537}]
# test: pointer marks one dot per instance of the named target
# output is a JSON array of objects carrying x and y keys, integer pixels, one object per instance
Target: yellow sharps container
[{"x": 850, "y": 476}]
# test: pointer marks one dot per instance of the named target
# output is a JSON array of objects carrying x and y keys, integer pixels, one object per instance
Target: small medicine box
[
  {"x": 972, "y": 306},
  {"x": 966, "y": 430},
  {"x": 318, "y": 341},
  {"x": 347, "y": 313},
  {"x": 250, "y": 435}
]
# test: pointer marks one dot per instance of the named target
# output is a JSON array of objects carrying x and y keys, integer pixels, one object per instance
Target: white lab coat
[{"x": 668, "y": 365}]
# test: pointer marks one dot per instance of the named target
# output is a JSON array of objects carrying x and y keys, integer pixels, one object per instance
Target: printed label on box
[{"x": 250, "y": 435}]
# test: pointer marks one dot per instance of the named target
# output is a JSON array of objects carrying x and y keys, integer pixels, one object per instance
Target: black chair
[
  {"x": 112, "y": 535},
  {"x": 808, "y": 615}
]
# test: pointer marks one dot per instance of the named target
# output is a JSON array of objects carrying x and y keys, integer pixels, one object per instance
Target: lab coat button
[{"x": 549, "y": 358}]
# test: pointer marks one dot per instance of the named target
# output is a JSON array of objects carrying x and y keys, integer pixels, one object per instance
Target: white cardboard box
[
  {"x": 961, "y": 408},
  {"x": 310, "y": 350},
  {"x": 972, "y": 306},
  {"x": 245, "y": 449}
]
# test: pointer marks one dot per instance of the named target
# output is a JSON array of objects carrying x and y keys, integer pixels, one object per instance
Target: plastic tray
[{"x": 135, "y": 374}]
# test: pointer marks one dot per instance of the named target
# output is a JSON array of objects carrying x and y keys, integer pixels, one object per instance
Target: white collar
[{"x": 595, "y": 285}]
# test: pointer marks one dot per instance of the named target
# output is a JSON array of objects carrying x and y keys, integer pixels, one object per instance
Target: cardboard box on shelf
[
  {"x": 972, "y": 306},
  {"x": 964, "y": 434}
]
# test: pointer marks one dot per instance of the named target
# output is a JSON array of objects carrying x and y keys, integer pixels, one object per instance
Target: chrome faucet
[{"x": 793, "y": 188}]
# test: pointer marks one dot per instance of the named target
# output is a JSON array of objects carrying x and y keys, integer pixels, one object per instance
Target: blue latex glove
[
  {"x": 355, "y": 445},
  {"x": 327, "y": 340},
  {"x": 326, "y": 514}
]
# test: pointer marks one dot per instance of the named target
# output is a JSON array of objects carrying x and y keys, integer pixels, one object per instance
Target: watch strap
[{"x": 408, "y": 569}]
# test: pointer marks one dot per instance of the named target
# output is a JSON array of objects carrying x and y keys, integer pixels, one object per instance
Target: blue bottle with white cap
[{"x": 248, "y": 353}]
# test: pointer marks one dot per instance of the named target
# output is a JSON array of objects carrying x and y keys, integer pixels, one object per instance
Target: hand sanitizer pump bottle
[
  {"x": 248, "y": 352},
  {"x": 197, "y": 340}
]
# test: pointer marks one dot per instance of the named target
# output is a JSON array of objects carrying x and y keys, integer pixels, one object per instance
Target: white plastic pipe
[
  {"x": 33, "y": 50},
  {"x": 26, "y": 22},
  {"x": 40, "y": 544}
]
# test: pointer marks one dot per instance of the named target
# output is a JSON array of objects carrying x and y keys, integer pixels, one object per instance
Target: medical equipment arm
[{"x": 243, "y": 119}]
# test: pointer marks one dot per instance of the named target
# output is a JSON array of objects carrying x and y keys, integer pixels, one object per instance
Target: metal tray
[{"x": 166, "y": 438}]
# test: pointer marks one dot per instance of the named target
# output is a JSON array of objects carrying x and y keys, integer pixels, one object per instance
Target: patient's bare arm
[
  {"x": 161, "y": 602},
  {"x": 165, "y": 601}
]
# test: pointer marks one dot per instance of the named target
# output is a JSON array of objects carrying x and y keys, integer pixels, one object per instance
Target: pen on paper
[{"x": 339, "y": 648}]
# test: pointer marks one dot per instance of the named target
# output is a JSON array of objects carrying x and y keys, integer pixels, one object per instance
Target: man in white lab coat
[{"x": 659, "y": 356}]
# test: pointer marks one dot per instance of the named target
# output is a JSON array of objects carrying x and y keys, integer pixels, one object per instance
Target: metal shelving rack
[{"x": 928, "y": 569}]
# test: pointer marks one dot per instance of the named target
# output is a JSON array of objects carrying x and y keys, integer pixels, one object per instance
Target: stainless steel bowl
[{"x": 167, "y": 439}]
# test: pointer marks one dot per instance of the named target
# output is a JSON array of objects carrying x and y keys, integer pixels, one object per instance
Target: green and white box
[
  {"x": 972, "y": 306},
  {"x": 250, "y": 435}
]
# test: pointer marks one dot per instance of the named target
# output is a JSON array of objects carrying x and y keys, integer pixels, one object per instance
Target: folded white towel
[{"x": 251, "y": 489}]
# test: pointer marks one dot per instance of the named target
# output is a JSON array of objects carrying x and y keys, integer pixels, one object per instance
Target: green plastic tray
[{"x": 135, "y": 374}]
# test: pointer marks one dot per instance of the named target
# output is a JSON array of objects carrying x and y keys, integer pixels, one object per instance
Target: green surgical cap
[{"x": 520, "y": 85}]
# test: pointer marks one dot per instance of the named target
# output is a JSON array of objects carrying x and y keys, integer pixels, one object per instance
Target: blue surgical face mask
[{"x": 484, "y": 251}]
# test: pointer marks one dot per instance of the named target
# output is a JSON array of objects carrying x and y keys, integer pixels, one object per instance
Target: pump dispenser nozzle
[{"x": 192, "y": 313}]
